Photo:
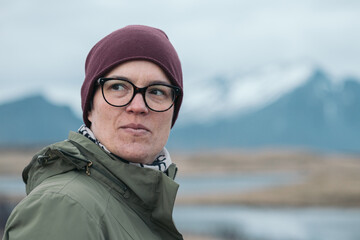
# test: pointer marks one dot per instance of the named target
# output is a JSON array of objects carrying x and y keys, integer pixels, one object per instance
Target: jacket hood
[{"x": 52, "y": 160}]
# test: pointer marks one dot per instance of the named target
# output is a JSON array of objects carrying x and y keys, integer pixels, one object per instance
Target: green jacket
[{"x": 78, "y": 191}]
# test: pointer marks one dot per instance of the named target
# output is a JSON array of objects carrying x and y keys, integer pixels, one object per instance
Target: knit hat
[{"x": 134, "y": 42}]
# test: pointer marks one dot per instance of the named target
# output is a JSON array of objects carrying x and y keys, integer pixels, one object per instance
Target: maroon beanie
[{"x": 134, "y": 42}]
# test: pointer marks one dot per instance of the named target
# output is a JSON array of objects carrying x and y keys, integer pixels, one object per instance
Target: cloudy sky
[{"x": 43, "y": 43}]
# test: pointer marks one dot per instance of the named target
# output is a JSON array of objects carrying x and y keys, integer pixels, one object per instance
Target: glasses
[{"x": 119, "y": 92}]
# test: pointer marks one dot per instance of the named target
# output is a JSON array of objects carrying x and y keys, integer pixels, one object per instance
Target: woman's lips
[{"x": 136, "y": 129}]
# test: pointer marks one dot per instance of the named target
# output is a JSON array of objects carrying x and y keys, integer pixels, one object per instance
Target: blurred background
[{"x": 267, "y": 141}]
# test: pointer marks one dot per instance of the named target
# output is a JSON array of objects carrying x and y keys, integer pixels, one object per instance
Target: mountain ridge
[{"x": 34, "y": 120}]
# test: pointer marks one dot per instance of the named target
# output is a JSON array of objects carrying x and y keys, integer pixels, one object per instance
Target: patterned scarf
[{"x": 161, "y": 162}]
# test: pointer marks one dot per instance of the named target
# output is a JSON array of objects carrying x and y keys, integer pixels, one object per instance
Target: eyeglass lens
[{"x": 157, "y": 97}]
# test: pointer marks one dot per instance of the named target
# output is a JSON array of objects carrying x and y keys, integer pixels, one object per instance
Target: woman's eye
[
  {"x": 117, "y": 87},
  {"x": 157, "y": 92}
]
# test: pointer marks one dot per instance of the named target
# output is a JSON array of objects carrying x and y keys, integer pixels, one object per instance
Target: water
[
  {"x": 254, "y": 223},
  {"x": 270, "y": 223},
  {"x": 12, "y": 186},
  {"x": 234, "y": 182}
]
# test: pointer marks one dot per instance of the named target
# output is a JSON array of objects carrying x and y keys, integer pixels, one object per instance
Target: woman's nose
[{"x": 137, "y": 105}]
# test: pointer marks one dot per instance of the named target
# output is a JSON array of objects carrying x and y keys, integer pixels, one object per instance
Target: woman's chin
[{"x": 136, "y": 155}]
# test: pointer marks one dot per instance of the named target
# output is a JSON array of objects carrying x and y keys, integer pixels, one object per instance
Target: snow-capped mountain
[
  {"x": 225, "y": 96},
  {"x": 318, "y": 114}
]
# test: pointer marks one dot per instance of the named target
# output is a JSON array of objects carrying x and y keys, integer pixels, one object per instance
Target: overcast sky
[{"x": 43, "y": 43}]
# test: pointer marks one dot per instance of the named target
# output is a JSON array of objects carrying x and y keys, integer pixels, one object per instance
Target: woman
[{"x": 113, "y": 179}]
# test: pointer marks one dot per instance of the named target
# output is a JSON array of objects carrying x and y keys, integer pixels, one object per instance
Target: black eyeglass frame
[{"x": 101, "y": 81}]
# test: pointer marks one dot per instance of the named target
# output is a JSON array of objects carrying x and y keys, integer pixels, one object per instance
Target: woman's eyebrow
[{"x": 158, "y": 82}]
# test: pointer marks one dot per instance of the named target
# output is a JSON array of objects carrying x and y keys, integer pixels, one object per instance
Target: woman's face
[{"x": 134, "y": 132}]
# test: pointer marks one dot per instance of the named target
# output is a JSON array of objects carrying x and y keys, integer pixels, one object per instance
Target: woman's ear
[{"x": 89, "y": 115}]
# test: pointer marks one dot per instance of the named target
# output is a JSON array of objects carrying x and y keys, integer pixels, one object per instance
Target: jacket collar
[{"x": 142, "y": 182}]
